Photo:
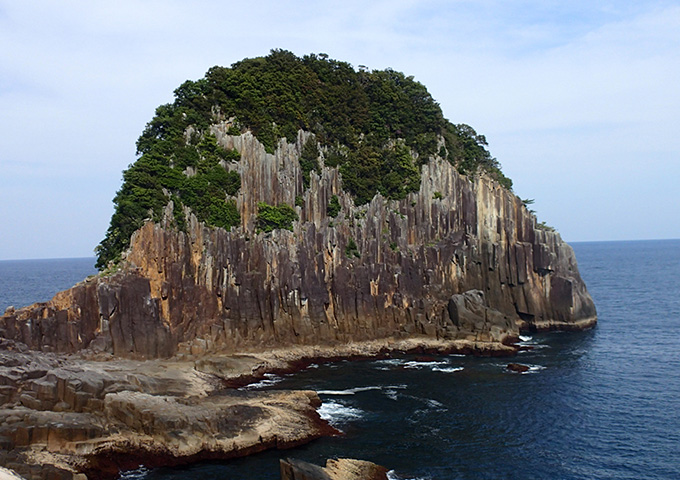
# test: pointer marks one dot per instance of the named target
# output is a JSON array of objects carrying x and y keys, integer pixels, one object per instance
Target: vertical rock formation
[{"x": 461, "y": 258}]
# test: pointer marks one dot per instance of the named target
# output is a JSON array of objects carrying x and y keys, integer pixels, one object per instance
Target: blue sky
[{"x": 579, "y": 100}]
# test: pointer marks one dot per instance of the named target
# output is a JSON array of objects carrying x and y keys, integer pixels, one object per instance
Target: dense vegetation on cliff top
[{"x": 370, "y": 124}]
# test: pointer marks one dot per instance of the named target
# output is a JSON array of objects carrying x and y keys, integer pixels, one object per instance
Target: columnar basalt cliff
[
  {"x": 236, "y": 255},
  {"x": 459, "y": 260}
]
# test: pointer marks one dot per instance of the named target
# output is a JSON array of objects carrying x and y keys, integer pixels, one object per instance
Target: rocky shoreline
[
  {"x": 84, "y": 416},
  {"x": 141, "y": 363},
  {"x": 64, "y": 416}
]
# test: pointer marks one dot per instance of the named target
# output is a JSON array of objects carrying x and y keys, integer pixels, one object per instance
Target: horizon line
[{"x": 568, "y": 242}]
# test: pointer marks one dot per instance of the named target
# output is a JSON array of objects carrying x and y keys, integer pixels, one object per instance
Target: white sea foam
[
  {"x": 528, "y": 341},
  {"x": 434, "y": 403},
  {"x": 431, "y": 403},
  {"x": 533, "y": 346},
  {"x": 268, "y": 380},
  {"x": 391, "y": 394},
  {"x": 338, "y": 414},
  {"x": 436, "y": 366},
  {"x": 391, "y": 361},
  {"x": 349, "y": 391},
  {"x": 335, "y": 392},
  {"x": 392, "y": 475},
  {"x": 415, "y": 364},
  {"x": 535, "y": 368},
  {"x": 352, "y": 391},
  {"x": 447, "y": 369},
  {"x": 532, "y": 368},
  {"x": 388, "y": 363},
  {"x": 136, "y": 474}
]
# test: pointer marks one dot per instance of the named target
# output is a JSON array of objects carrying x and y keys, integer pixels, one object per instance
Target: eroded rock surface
[
  {"x": 64, "y": 417},
  {"x": 209, "y": 290},
  {"x": 336, "y": 469}
]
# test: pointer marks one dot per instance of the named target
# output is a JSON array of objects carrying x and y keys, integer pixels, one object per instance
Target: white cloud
[
  {"x": 587, "y": 127},
  {"x": 571, "y": 95}
]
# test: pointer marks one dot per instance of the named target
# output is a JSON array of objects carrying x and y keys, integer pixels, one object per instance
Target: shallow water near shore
[{"x": 603, "y": 403}]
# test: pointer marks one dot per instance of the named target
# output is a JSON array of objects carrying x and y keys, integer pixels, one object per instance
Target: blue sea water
[
  {"x": 24, "y": 282},
  {"x": 599, "y": 404}
]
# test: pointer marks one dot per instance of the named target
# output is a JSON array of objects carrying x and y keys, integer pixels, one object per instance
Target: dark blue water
[
  {"x": 24, "y": 282},
  {"x": 598, "y": 404}
]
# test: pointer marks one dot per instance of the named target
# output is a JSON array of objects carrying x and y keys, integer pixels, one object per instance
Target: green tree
[
  {"x": 273, "y": 217},
  {"x": 309, "y": 159},
  {"x": 351, "y": 250},
  {"x": 370, "y": 124},
  {"x": 333, "y": 207}
]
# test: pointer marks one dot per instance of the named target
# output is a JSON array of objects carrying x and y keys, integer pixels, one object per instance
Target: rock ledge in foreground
[
  {"x": 66, "y": 418},
  {"x": 336, "y": 469}
]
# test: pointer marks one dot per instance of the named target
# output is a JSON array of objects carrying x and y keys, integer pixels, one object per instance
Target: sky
[{"x": 579, "y": 100}]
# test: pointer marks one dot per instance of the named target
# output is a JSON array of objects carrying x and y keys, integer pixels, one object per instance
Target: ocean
[
  {"x": 24, "y": 282},
  {"x": 599, "y": 404}
]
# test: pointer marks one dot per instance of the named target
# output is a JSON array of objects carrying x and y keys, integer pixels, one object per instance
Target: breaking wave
[
  {"x": 338, "y": 414},
  {"x": 436, "y": 366},
  {"x": 352, "y": 391},
  {"x": 136, "y": 474},
  {"x": 391, "y": 475},
  {"x": 268, "y": 380},
  {"x": 416, "y": 364},
  {"x": 447, "y": 369}
]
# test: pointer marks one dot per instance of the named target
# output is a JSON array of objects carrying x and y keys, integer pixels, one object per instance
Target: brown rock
[
  {"x": 30, "y": 401},
  {"x": 93, "y": 417},
  {"x": 292, "y": 469},
  {"x": 336, "y": 469},
  {"x": 517, "y": 367},
  {"x": 474, "y": 320}
]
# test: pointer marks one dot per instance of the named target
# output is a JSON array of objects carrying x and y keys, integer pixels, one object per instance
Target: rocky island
[{"x": 281, "y": 211}]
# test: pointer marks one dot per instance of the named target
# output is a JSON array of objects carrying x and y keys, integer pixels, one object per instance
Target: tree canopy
[{"x": 376, "y": 126}]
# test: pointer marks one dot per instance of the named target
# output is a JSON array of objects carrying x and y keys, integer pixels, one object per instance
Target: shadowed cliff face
[{"x": 460, "y": 259}]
